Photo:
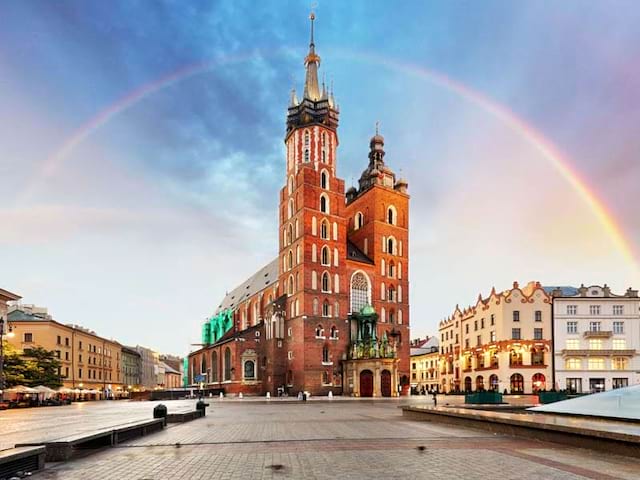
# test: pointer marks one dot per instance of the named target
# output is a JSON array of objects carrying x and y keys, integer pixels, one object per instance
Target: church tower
[{"x": 312, "y": 246}]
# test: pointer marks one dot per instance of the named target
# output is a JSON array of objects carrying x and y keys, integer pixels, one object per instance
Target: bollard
[
  {"x": 330, "y": 394},
  {"x": 268, "y": 395},
  {"x": 240, "y": 395},
  {"x": 221, "y": 395},
  {"x": 200, "y": 405}
]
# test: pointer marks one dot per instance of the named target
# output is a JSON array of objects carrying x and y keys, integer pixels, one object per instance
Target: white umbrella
[{"x": 21, "y": 389}]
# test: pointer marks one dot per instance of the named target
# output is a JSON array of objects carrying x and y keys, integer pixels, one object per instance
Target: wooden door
[
  {"x": 385, "y": 383},
  {"x": 366, "y": 383}
]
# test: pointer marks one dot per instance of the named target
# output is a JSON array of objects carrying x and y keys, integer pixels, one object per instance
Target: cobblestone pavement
[
  {"x": 353, "y": 440},
  {"x": 46, "y": 423}
]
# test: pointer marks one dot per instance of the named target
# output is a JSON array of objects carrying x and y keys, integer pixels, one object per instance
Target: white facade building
[{"x": 596, "y": 338}]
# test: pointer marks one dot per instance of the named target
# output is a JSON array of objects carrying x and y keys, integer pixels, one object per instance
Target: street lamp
[{"x": 9, "y": 334}]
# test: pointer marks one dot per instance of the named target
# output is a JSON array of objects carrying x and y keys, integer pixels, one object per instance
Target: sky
[{"x": 141, "y": 148}]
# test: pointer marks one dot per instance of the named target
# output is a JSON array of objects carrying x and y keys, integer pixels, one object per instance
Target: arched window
[
  {"x": 359, "y": 222},
  {"x": 291, "y": 208},
  {"x": 249, "y": 370},
  {"x": 333, "y": 332},
  {"x": 335, "y": 231},
  {"x": 314, "y": 280},
  {"x": 314, "y": 226},
  {"x": 319, "y": 331},
  {"x": 325, "y": 258},
  {"x": 325, "y": 378},
  {"x": 383, "y": 291},
  {"x": 494, "y": 383},
  {"x": 538, "y": 382},
  {"x": 326, "y": 310},
  {"x": 297, "y": 229},
  {"x": 298, "y": 254},
  {"x": 324, "y": 229},
  {"x": 324, "y": 203},
  {"x": 399, "y": 295},
  {"x": 290, "y": 286},
  {"x": 324, "y": 156},
  {"x": 383, "y": 268},
  {"x": 399, "y": 270},
  {"x": 290, "y": 185},
  {"x": 214, "y": 366},
  {"x": 383, "y": 315},
  {"x": 467, "y": 384},
  {"x": 324, "y": 179},
  {"x": 290, "y": 260},
  {"x": 315, "y": 306},
  {"x": 479, "y": 383},
  {"x": 392, "y": 216},
  {"x": 392, "y": 316},
  {"x": 203, "y": 365},
  {"x": 517, "y": 383},
  {"x": 314, "y": 253},
  {"x": 392, "y": 294},
  {"x": 326, "y": 282},
  {"x": 324, "y": 138},
  {"x": 336, "y": 309},
  {"x": 399, "y": 317},
  {"x": 336, "y": 283},
  {"x": 335, "y": 257},
  {"x": 306, "y": 146},
  {"x": 391, "y": 246},
  {"x": 325, "y": 354},
  {"x": 227, "y": 364},
  {"x": 360, "y": 291},
  {"x": 392, "y": 269}
]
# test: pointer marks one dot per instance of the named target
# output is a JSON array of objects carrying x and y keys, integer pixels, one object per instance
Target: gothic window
[
  {"x": 359, "y": 220},
  {"x": 391, "y": 316},
  {"x": 399, "y": 317},
  {"x": 399, "y": 300},
  {"x": 306, "y": 146},
  {"x": 203, "y": 365},
  {"x": 383, "y": 316},
  {"x": 290, "y": 287},
  {"x": 290, "y": 260},
  {"x": 319, "y": 331},
  {"x": 289, "y": 234},
  {"x": 335, "y": 231},
  {"x": 298, "y": 254},
  {"x": 336, "y": 283},
  {"x": 297, "y": 229},
  {"x": 399, "y": 270},
  {"x": 324, "y": 229},
  {"x": 336, "y": 309},
  {"x": 324, "y": 156},
  {"x": 314, "y": 226},
  {"x": 324, "y": 256},
  {"x": 290, "y": 186},
  {"x": 392, "y": 216},
  {"x": 325, "y": 354},
  {"x": 324, "y": 203},
  {"x": 391, "y": 246},
  {"x": 333, "y": 332},
  {"x": 214, "y": 366},
  {"x": 249, "y": 370},
  {"x": 359, "y": 291},
  {"x": 314, "y": 253},
  {"x": 315, "y": 305},
  {"x": 324, "y": 178},
  {"x": 383, "y": 292},
  {"x": 291, "y": 208},
  {"x": 392, "y": 294},
  {"x": 326, "y": 283},
  {"x": 335, "y": 257},
  {"x": 326, "y": 310},
  {"x": 383, "y": 268},
  {"x": 227, "y": 364},
  {"x": 392, "y": 269}
]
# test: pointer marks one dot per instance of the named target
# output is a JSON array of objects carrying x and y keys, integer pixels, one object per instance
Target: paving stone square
[{"x": 329, "y": 440}]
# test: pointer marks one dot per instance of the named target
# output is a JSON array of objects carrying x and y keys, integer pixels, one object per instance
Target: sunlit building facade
[
  {"x": 501, "y": 343},
  {"x": 596, "y": 338}
]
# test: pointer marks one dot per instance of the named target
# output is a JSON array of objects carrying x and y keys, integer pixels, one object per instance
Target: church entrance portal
[
  {"x": 366, "y": 383},
  {"x": 385, "y": 383}
]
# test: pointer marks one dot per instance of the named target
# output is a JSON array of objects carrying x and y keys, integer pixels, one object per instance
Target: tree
[{"x": 34, "y": 366}]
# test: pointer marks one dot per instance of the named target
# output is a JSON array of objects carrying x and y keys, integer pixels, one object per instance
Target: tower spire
[{"x": 312, "y": 63}]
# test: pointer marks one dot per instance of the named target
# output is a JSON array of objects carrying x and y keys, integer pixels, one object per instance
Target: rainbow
[{"x": 559, "y": 161}]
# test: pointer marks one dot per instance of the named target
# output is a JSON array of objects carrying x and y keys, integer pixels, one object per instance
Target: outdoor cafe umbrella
[
  {"x": 46, "y": 391},
  {"x": 21, "y": 389}
]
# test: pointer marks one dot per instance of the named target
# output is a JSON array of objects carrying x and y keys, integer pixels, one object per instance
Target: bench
[
  {"x": 62, "y": 449},
  {"x": 21, "y": 460},
  {"x": 181, "y": 417}
]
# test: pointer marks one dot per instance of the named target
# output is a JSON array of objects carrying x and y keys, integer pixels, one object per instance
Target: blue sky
[{"x": 143, "y": 226}]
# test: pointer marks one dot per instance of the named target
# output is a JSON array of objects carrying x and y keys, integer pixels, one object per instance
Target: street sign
[{"x": 200, "y": 378}]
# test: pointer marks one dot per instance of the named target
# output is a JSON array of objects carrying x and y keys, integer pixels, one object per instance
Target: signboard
[{"x": 200, "y": 378}]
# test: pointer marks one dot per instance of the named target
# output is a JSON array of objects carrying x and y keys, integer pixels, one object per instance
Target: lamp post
[{"x": 9, "y": 334}]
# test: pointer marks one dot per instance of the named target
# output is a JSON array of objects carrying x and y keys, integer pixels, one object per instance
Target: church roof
[
  {"x": 263, "y": 278},
  {"x": 357, "y": 255}
]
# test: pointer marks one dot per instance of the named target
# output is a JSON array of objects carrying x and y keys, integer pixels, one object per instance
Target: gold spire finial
[
  {"x": 312, "y": 17},
  {"x": 377, "y": 126}
]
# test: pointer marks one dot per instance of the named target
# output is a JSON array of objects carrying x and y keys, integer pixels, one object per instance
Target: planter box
[
  {"x": 550, "y": 397},
  {"x": 483, "y": 398}
]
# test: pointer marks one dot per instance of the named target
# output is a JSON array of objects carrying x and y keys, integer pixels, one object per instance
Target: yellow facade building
[
  {"x": 89, "y": 362},
  {"x": 502, "y": 343},
  {"x": 425, "y": 355}
]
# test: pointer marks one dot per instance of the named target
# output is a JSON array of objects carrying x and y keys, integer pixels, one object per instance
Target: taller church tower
[{"x": 313, "y": 238}]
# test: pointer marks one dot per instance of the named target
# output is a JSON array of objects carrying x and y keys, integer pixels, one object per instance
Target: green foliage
[{"x": 34, "y": 366}]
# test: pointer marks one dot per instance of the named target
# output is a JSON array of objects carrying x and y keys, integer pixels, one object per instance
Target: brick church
[{"x": 331, "y": 312}]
